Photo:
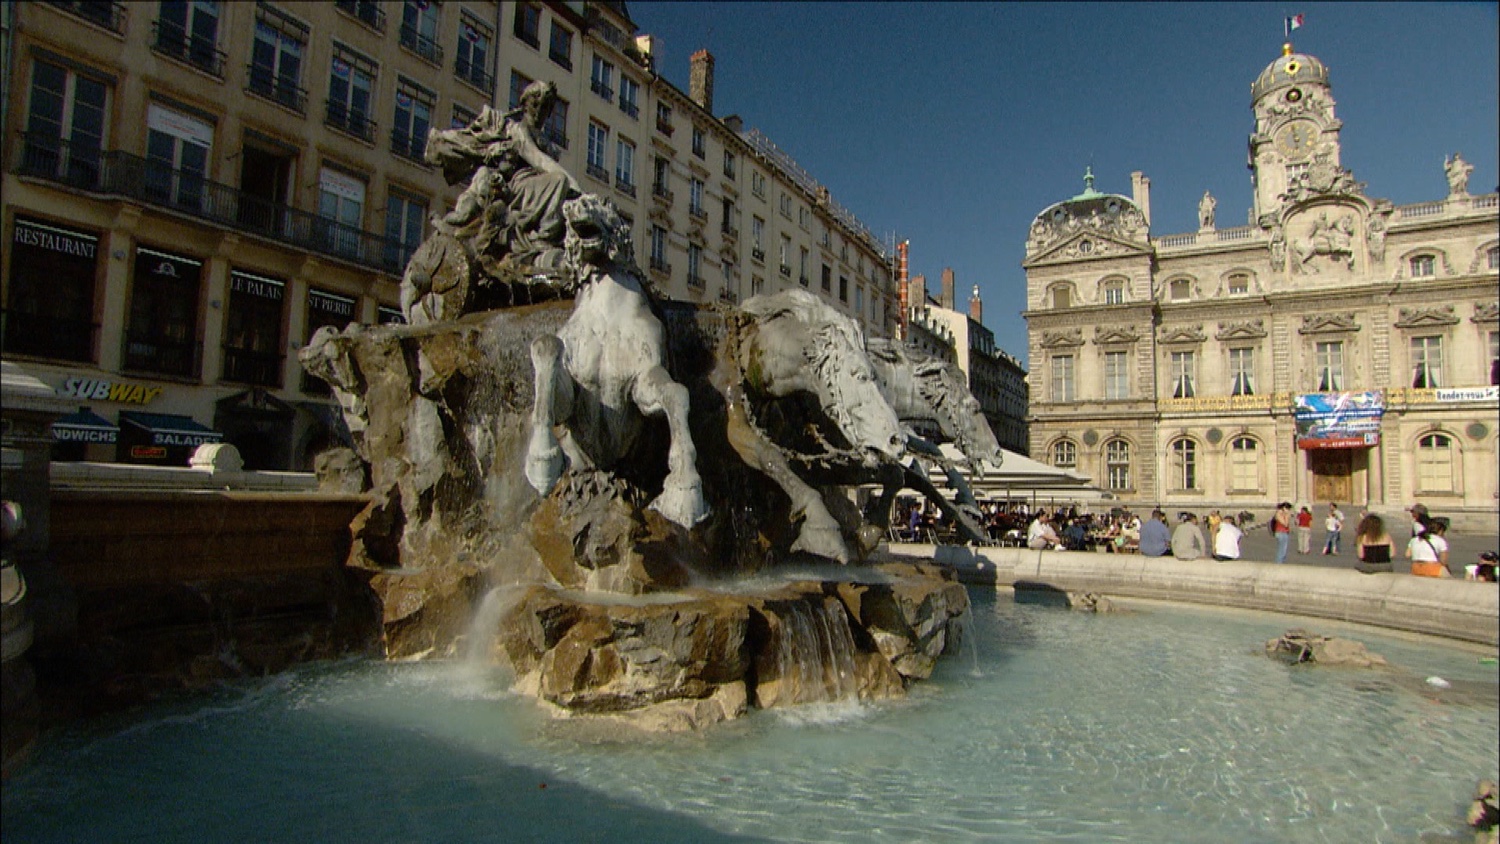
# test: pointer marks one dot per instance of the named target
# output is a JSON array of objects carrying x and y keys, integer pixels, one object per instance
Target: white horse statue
[{"x": 604, "y": 371}]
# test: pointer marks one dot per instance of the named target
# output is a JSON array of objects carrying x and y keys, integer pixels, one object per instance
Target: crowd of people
[{"x": 1216, "y": 535}]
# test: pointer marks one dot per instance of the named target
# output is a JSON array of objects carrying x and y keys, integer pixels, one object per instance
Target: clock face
[{"x": 1296, "y": 140}]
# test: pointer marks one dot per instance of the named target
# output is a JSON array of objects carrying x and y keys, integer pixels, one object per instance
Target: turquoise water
[{"x": 1167, "y": 724}]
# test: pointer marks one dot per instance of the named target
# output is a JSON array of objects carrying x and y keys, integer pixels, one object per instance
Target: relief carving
[
  {"x": 1328, "y": 323},
  {"x": 1184, "y": 334},
  {"x": 1064, "y": 337},
  {"x": 1253, "y": 329},
  {"x": 1115, "y": 334},
  {"x": 1486, "y": 312},
  {"x": 1333, "y": 239},
  {"x": 1419, "y": 317}
]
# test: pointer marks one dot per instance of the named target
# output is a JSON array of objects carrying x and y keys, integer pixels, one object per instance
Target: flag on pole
[{"x": 1293, "y": 22}]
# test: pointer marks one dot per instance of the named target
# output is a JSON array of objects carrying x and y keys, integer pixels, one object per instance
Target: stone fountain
[{"x": 640, "y": 508}]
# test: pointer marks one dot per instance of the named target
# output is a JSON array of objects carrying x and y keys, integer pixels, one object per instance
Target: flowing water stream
[{"x": 1166, "y": 724}]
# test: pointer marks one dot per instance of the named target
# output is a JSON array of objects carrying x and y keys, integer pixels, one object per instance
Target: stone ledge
[{"x": 1455, "y": 609}]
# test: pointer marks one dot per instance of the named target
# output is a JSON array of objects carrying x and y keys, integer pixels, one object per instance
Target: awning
[
  {"x": 85, "y": 426},
  {"x": 169, "y": 429}
]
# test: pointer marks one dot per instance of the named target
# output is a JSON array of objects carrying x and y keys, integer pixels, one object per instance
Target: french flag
[{"x": 1293, "y": 22}]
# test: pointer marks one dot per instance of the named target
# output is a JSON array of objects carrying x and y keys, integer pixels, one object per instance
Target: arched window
[
  {"x": 1184, "y": 464},
  {"x": 1238, "y": 284},
  {"x": 1423, "y": 266},
  {"x": 1061, "y": 296},
  {"x": 1244, "y": 464},
  {"x": 1114, "y": 292},
  {"x": 1117, "y": 464},
  {"x": 1180, "y": 290},
  {"x": 1435, "y": 464},
  {"x": 1064, "y": 454}
]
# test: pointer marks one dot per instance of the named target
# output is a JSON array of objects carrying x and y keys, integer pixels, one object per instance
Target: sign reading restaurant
[{"x": 56, "y": 240}]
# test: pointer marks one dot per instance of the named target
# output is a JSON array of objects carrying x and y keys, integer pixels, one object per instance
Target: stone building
[
  {"x": 194, "y": 188},
  {"x": 718, "y": 211},
  {"x": 1340, "y": 349},
  {"x": 190, "y": 190}
]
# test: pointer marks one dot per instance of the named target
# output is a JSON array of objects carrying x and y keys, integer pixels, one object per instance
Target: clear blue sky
[{"x": 954, "y": 124}]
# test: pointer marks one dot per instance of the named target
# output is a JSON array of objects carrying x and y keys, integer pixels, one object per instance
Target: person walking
[
  {"x": 1372, "y": 545},
  {"x": 1227, "y": 540},
  {"x": 1281, "y": 528},
  {"x": 1334, "y": 525},
  {"x": 1304, "y": 531}
]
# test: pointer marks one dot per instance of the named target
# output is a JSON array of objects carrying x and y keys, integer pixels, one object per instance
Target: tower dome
[{"x": 1289, "y": 69}]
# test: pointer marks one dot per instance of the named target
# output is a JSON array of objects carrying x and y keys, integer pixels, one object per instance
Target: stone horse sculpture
[
  {"x": 604, "y": 371},
  {"x": 1335, "y": 240},
  {"x": 925, "y": 388},
  {"x": 804, "y": 408}
]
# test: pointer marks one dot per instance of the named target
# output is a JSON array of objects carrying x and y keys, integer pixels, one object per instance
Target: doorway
[{"x": 1333, "y": 474}]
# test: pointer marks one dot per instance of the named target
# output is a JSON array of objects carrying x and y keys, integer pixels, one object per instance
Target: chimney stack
[
  {"x": 701, "y": 80},
  {"x": 976, "y": 307},
  {"x": 948, "y": 301},
  {"x": 1140, "y": 191},
  {"x": 918, "y": 291},
  {"x": 903, "y": 292}
]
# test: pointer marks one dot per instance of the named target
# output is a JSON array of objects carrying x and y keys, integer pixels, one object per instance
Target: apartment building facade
[
  {"x": 192, "y": 188},
  {"x": 1340, "y": 349}
]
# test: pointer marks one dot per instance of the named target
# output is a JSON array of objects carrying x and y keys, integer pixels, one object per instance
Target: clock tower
[{"x": 1295, "y": 128}]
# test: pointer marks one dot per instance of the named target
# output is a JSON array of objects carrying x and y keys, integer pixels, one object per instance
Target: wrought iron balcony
[
  {"x": 661, "y": 193},
  {"x": 601, "y": 89},
  {"x": 159, "y": 355},
  {"x": 420, "y": 44},
  {"x": 474, "y": 74},
  {"x": 154, "y": 183},
  {"x": 45, "y": 336},
  {"x": 247, "y": 366},
  {"x": 266, "y": 83},
  {"x": 172, "y": 41},
  {"x": 597, "y": 172},
  {"x": 366, "y": 12},
  {"x": 698, "y": 214},
  {"x": 111, "y": 16},
  {"x": 660, "y": 264},
  {"x": 623, "y": 186},
  {"x": 631, "y": 109},
  {"x": 350, "y": 121},
  {"x": 758, "y": 254}
]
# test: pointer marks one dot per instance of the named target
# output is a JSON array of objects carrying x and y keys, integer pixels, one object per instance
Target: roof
[{"x": 1287, "y": 70}]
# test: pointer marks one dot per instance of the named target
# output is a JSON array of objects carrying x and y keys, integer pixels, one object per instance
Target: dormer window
[
  {"x": 1180, "y": 290},
  {"x": 1060, "y": 298},
  {"x": 1114, "y": 293},
  {"x": 1493, "y": 258},
  {"x": 1239, "y": 284},
  {"x": 1423, "y": 266}
]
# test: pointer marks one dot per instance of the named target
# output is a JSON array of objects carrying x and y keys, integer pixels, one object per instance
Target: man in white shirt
[{"x": 1041, "y": 536}]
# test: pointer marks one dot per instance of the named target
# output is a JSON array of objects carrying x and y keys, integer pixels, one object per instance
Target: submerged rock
[{"x": 1300, "y": 647}]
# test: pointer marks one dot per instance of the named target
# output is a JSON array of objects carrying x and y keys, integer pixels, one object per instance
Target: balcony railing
[
  {"x": 409, "y": 146},
  {"x": 121, "y": 174},
  {"x": 660, "y": 192},
  {"x": 420, "y": 44},
  {"x": 266, "y": 83},
  {"x": 597, "y": 171},
  {"x": 758, "y": 254},
  {"x": 172, "y": 41},
  {"x": 631, "y": 109},
  {"x": 366, "y": 12},
  {"x": 624, "y": 186},
  {"x": 698, "y": 214},
  {"x": 660, "y": 265},
  {"x": 45, "y": 336},
  {"x": 245, "y": 366},
  {"x": 601, "y": 89},
  {"x": 664, "y": 127},
  {"x": 111, "y": 16},
  {"x": 729, "y": 231},
  {"x": 144, "y": 353},
  {"x": 350, "y": 121},
  {"x": 474, "y": 74}
]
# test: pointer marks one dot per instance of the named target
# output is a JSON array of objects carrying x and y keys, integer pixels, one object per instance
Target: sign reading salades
[{"x": 1339, "y": 420}]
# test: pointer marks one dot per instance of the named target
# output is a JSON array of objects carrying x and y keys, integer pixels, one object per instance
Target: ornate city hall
[{"x": 1338, "y": 349}]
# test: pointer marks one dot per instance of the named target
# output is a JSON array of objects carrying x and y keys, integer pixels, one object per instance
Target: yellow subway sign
[{"x": 103, "y": 389}]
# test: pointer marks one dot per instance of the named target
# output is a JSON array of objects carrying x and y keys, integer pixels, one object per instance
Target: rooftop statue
[{"x": 1457, "y": 170}]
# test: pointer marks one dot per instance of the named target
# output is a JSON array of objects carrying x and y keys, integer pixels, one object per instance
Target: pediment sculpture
[{"x": 1424, "y": 317}]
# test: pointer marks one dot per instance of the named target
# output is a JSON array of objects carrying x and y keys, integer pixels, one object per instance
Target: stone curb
[{"x": 1455, "y": 609}]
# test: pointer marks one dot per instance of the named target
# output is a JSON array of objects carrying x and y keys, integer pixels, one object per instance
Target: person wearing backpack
[{"x": 1281, "y": 528}]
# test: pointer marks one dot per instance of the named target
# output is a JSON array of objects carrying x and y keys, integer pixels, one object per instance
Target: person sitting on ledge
[
  {"x": 1041, "y": 536},
  {"x": 1372, "y": 545},
  {"x": 1187, "y": 539},
  {"x": 1227, "y": 540},
  {"x": 1156, "y": 538},
  {"x": 1428, "y": 551}
]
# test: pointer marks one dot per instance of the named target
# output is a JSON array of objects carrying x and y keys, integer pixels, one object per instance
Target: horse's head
[
  {"x": 596, "y": 235},
  {"x": 957, "y": 411}
]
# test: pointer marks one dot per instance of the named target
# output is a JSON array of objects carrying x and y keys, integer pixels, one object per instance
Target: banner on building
[{"x": 1339, "y": 420}]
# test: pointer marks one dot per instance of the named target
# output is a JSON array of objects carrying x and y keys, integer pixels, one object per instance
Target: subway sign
[{"x": 103, "y": 389}]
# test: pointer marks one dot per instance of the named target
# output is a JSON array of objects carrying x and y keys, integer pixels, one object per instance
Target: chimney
[
  {"x": 919, "y": 291},
  {"x": 947, "y": 300},
  {"x": 903, "y": 293},
  {"x": 701, "y": 80},
  {"x": 976, "y": 307},
  {"x": 1140, "y": 191}
]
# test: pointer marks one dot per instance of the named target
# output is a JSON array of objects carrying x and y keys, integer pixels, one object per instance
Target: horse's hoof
[
  {"x": 681, "y": 503},
  {"x": 823, "y": 542}
]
